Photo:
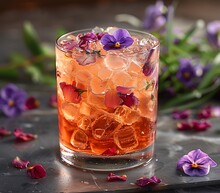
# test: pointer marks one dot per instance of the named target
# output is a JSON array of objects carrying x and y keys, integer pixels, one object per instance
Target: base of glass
[{"x": 106, "y": 163}]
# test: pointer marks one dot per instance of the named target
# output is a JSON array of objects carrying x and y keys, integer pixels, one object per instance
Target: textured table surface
[{"x": 170, "y": 146}]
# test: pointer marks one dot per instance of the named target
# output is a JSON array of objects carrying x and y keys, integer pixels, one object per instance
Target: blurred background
[{"x": 49, "y": 15}]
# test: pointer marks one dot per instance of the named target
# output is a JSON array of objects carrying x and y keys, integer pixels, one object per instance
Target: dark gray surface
[{"x": 170, "y": 146}]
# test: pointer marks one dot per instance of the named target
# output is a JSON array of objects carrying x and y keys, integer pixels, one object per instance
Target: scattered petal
[
  {"x": 110, "y": 152},
  {"x": 184, "y": 126},
  {"x": 113, "y": 177},
  {"x": 86, "y": 58},
  {"x": 124, "y": 90},
  {"x": 149, "y": 65},
  {"x": 71, "y": 93},
  {"x": 112, "y": 99},
  {"x": 36, "y": 171},
  {"x": 144, "y": 181},
  {"x": 18, "y": 163},
  {"x": 21, "y": 136},
  {"x": 200, "y": 125},
  {"x": 205, "y": 113},
  {"x": 196, "y": 163},
  {"x": 53, "y": 100},
  {"x": 31, "y": 103},
  {"x": 129, "y": 99},
  {"x": 177, "y": 114},
  {"x": 4, "y": 132}
]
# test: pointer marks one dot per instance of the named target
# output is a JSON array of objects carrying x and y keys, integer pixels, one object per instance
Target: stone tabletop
[{"x": 170, "y": 146}]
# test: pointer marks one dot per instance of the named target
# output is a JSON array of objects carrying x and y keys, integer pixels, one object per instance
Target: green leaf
[
  {"x": 34, "y": 73},
  {"x": 31, "y": 39}
]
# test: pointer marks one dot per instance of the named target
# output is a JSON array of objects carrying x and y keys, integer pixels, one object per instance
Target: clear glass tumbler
[{"x": 107, "y": 97}]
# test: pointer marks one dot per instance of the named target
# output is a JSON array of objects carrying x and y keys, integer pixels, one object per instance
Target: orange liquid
[{"x": 91, "y": 127}]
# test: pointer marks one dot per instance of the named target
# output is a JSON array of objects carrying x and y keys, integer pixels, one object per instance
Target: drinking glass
[{"x": 107, "y": 99}]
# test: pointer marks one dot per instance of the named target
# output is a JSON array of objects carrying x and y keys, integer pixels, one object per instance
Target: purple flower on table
[
  {"x": 213, "y": 33},
  {"x": 188, "y": 73},
  {"x": 196, "y": 163},
  {"x": 200, "y": 125},
  {"x": 155, "y": 16},
  {"x": 113, "y": 177},
  {"x": 12, "y": 100},
  {"x": 215, "y": 111},
  {"x": 205, "y": 113},
  {"x": 119, "y": 39}
]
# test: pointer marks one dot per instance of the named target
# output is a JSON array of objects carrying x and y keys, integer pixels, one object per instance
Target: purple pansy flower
[
  {"x": 213, "y": 33},
  {"x": 155, "y": 16},
  {"x": 12, "y": 100},
  {"x": 196, "y": 163},
  {"x": 119, "y": 39},
  {"x": 188, "y": 73}
]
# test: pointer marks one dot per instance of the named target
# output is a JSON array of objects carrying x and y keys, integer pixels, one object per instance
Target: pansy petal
[
  {"x": 129, "y": 100},
  {"x": 4, "y": 132},
  {"x": 124, "y": 89},
  {"x": 196, "y": 154},
  {"x": 21, "y": 136},
  {"x": 184, "y": 160},
  {"x": 36, "y": 171},
  {"x": 32, "y": 103},
  {"x": 112, "y": 100},
  {"x": 127, "y": 42},
  {"x": 108, "y": 39},
  {"x": 85, "y": 59},
  {"x": 216, "y": 111},
  {"x": 206, "y": 160},
  {"x": 121, "y": 33},
  {"x": 70, "y": 94},
  {"x": 19, "y": 163}
]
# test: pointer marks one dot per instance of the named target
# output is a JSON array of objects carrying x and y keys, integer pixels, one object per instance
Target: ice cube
[
  {"x": 103, "y": 127},
  {"x": 97, "y": 101},
  {"x": 111, "y": 30},
  {"x": 104, "y": 73},
  {"x": 79, "y": 139},
  {"x": 70, "y": 111},
  {"x": 125, "y": 138},
  {"x": 98, "y": 86},
  {"x": 126, "y": 115},
  {"x": 115, "y": 62},
  {"x": 122, "y": 78},
  {"x": 85, "y": 109},
  {"x": 84, "y": 123},
  {"x": 97, "y": 30},
  {"x": 83, "y": 77}
]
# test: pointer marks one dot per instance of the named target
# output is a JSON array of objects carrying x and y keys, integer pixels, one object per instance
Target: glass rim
[{"x": 90, "y": 29}]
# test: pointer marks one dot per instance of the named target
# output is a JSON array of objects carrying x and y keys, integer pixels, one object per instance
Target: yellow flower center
[
  {"x": 186, "y": 75},
  {"x": 117, "y": 45},
  {"x": 194, "y": 165},
  {"x": 11, "y": 103}
]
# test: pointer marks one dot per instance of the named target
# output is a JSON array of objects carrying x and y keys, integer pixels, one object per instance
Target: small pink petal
[
  {"x": 177, "y": 114},
  {"x": 124, "y": 90},
  {"x": 110, "y": 152},
  {"x": 31, "y": 103},
  {"x": 36, "y": 171},
  {"x": 85, "y": 59},
  {"x": 70, "y": 93},
  {"x": 112, "y": 100},
  {"x": 113, "y": 177},
  {"x": 21, "y": 136},
  {"x": 129, "y": 100},
  {"x": 4, "y": 132},
  {"x": 216, "y": 111},
  {"x": 18, "y": 163},
  {"x": 184, "y": 126},
  {"x": 144, "y": 181},
  {"x": 205, "y": 113},
  {"x": 200, "y": 125}
]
